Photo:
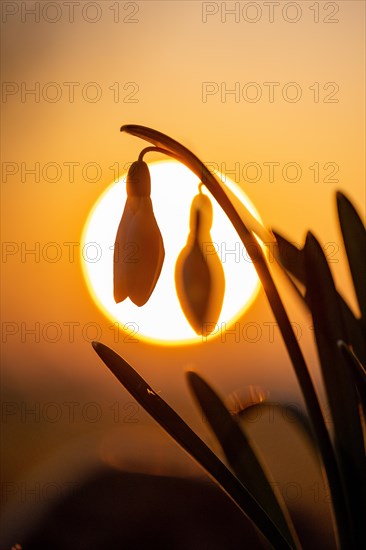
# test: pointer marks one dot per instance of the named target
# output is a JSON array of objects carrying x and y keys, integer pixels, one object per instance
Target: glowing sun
[{"x": 161, "y": 319}]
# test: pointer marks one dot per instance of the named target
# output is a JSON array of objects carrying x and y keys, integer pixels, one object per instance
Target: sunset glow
[{"x": 161, "y": 320}]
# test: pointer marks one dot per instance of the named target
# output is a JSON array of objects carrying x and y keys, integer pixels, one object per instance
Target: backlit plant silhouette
[
  {"x": 339, "y": 334},
  {"x": 200, "y": 280}
]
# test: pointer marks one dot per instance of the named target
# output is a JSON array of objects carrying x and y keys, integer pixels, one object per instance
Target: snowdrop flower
[
  {"x": 199, "y": 275},
  {"x": 139, "y": 249}
]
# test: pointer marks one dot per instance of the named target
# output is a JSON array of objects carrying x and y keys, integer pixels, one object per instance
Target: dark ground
[
  {"x": 134, "y": 511},
  {"x": 117, "y": 510}
]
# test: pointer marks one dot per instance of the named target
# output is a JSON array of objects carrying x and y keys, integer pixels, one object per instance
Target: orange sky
[{"x": 170, "y": 70}]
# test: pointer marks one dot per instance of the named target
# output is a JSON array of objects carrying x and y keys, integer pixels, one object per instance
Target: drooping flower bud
[
  {"x": 139, "y": 249},
  {"x": 199, "y": 275}
]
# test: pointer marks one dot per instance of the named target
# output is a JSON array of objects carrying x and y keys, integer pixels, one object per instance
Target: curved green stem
[
  {"x": 154, "y": 149},
  {"x": 184, "y": 155}
]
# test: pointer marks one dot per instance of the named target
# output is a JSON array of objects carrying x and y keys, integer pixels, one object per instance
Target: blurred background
[{"x": 271, "y": 94}]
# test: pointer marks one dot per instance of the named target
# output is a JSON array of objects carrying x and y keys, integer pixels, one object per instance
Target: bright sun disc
[{"x": 161, "y": 319}]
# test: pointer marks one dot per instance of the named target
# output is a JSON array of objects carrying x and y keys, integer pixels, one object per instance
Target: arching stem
[
  {"x": 177, "y": 151},
  {"x": 152, "y": 149}
]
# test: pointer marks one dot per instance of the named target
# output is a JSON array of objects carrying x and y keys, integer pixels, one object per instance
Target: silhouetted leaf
[
  {"x": 241, "y": 456},
  {"x": 354, "y": 237},
  {"x": 290, "y": 256},
  {"x": 358, "y": 370},
  {"x": 354, "y": 330},
  {"x": 190, "y": 442},
  {"x": 292, "y": 259},
  {"x": 338, "y": 380}
]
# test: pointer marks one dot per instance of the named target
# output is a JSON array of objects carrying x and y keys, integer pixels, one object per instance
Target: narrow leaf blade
[
  {"x": 240, "y": 455},
  {"x": 338, "y": 381},
  {"x": 292, "y": 259},
  {"x": 357, "y": 369},
  {"x": 190, "y": 442},
  {"x": 354, "y": 237}
]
